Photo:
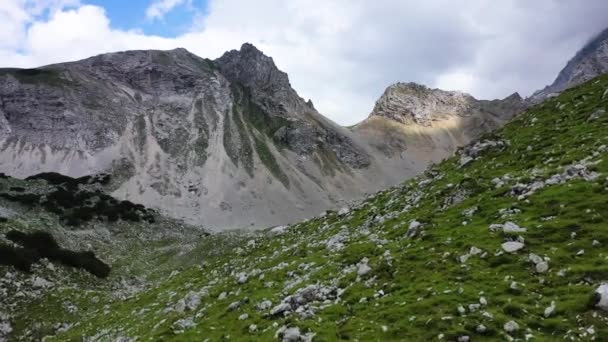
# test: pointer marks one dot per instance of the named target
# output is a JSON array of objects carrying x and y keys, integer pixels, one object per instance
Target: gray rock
[
  {"x": 601, "y": 297},
  {"x": 511, "y": 327},
  {"x": 512, "y": 246}
]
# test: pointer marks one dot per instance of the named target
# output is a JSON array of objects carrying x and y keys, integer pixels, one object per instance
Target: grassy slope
[{"x": 422, "y": 279}]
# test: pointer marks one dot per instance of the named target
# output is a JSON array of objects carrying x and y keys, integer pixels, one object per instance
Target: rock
[
  {"x": 192, "y": 301},
  {"x": 343, "y": 211},
  {"x": 596, "y": 115},
  {"x": 183, "y": 324},
  {"x": 263, "y": 305},
  {"x": 600, "y": 298},
  {"x": 512, "y": 246},
  {"x": 483, "y": 301},
  {"x": 280, "y": 230},
  {"x": 242, "y": 278},
  {"x": 291, "y": 335},
  {"x": 413, "y": 228},
  {"x": 464, "y": 339},
  {"x": 41, "y": 283},
  {"x": 363, "y": 268},
  {"x": 511, "y": 327},
  {"x": 253, "y": 328},
  {"x": 595, "y": 243},
  {"x": 510, "y": 227},
  {"x": 474, "y": 307},
  {"x": 549, "y": 310},
  {"x": 542, "y": 267},
  {"x": 461, "y": 310},
  {"x": 481, "y": 329},
  {"x": 243, "y": 317},
  {"x": 280, "y": 309},
  {"x": 234, "y": 305}
]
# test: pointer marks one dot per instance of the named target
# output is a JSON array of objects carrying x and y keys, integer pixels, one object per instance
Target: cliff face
[
  {"x": 225, "y": 143},
  {"x": 590, "y": 62}
]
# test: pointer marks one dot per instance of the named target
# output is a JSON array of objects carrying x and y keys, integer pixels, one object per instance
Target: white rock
[
  {"x": 542, "y": 267},
  {"x": 279, "y": 230},
  {"x": 41, "y": 283},
  {"x": 461, "y": 310},
  {"x": 601, "y": 294},
  {"x": 291, "y": 335},
  {"x": 511, "y": 326},
  {"x": 512, "y": 246},
  {"x": 483, "y": 301},
  {"x": 253, "y": 328},
  {"x": 535, "y": 258},
  {"x": 550, "y": 310},
  {"x": 242, "y": 278},
  {"x": 243, "y": 317},
  {"x": 464, "y": 339},
  {"x": 474, "y": 307},
  {"x": 343, "y": 211},
  {"x": 363, "y": 268},
  {"x": 595, "y": 243},
  {"x": 264, "y": 305},
  {"x": 511, "y": 227},
  {"x": 280, "y": 308},
  {"x": 413, "y": 228},
  {"x": 474, "y": 251},
  {"x": 481, "y": 329}
]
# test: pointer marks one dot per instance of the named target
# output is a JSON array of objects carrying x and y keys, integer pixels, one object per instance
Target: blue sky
[{"x": 131, "y": 15}]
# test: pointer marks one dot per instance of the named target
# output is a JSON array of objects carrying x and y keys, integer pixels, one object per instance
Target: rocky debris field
[{"x": 506, "y": 246}]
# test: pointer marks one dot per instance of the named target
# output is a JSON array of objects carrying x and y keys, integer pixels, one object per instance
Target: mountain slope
[
  {"x": 225, "y": 143},
  {"x": 502, "y": 241},
  {"x": 591, "y": 61}
]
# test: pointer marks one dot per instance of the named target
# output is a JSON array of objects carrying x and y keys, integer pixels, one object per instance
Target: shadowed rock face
[
  {"x": 591, "y": 61},
  {"x": 225, "y": 143}
]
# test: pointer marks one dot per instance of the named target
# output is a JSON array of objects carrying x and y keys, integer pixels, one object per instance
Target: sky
[{"x": 342, "y": 54}]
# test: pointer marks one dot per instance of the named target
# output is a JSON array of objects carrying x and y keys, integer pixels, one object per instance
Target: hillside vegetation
[{"x": 504, "y": 241}]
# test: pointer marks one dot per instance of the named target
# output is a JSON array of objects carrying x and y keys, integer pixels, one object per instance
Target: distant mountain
[
  {"x": 225, "y": 143},
  {"x": 591, "y": 61}
]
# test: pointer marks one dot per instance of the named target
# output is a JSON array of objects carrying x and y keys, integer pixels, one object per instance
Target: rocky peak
[
  {"x": 269, "y": 86},
  {"x": 589, "y": 62},
  {"x": 411, "y": 103}
]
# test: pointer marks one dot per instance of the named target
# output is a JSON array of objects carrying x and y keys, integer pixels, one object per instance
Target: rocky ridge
[
  {"x": 227, "y": 143},
  {"x": 590, "y": 62}
]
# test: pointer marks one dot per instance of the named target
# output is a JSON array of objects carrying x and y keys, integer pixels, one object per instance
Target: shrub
[
  {"x": 40, "y": 244},
  {"x": 20, "y": 258}
]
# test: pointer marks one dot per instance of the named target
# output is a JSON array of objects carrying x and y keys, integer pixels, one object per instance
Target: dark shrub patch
[
  {"x": 17, "y": 189},
  {"x": 21, "y": 258},
  {"x": 41, "y": 244}
]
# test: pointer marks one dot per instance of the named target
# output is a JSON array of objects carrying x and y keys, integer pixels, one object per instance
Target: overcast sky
[{"x": 342, "y": 54}]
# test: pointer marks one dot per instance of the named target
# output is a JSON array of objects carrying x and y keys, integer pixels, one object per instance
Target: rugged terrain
[
  {"x": 226, "y": 143},
  {"x": 503, "y": 241},
  {"x": 591, "y": 61}
]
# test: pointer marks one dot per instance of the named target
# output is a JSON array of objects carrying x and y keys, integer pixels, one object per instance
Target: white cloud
[
  {"x": 340, "y": 53},
  {"x": 158, "y": 8}
]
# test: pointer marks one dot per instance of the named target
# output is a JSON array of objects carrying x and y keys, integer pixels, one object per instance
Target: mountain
[
  {"x": 430, "y": 124},
  {"x": 225, "y": 143},
  {"x": 503, "y": 241},
  {"x": 590, "y": 62}
]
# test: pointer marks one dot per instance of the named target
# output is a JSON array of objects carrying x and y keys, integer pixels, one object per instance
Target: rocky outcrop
[{"x": 591, "y": 61}]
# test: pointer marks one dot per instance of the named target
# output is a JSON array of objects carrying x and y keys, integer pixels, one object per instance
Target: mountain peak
[
  {"x": 589, "y": 62},
  {"x": 413, "y": 103}
]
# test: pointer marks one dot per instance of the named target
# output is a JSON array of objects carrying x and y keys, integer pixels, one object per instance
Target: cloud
[
  {"x": 158, "y": 8},
  {"x": 340, "y": 53}
]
